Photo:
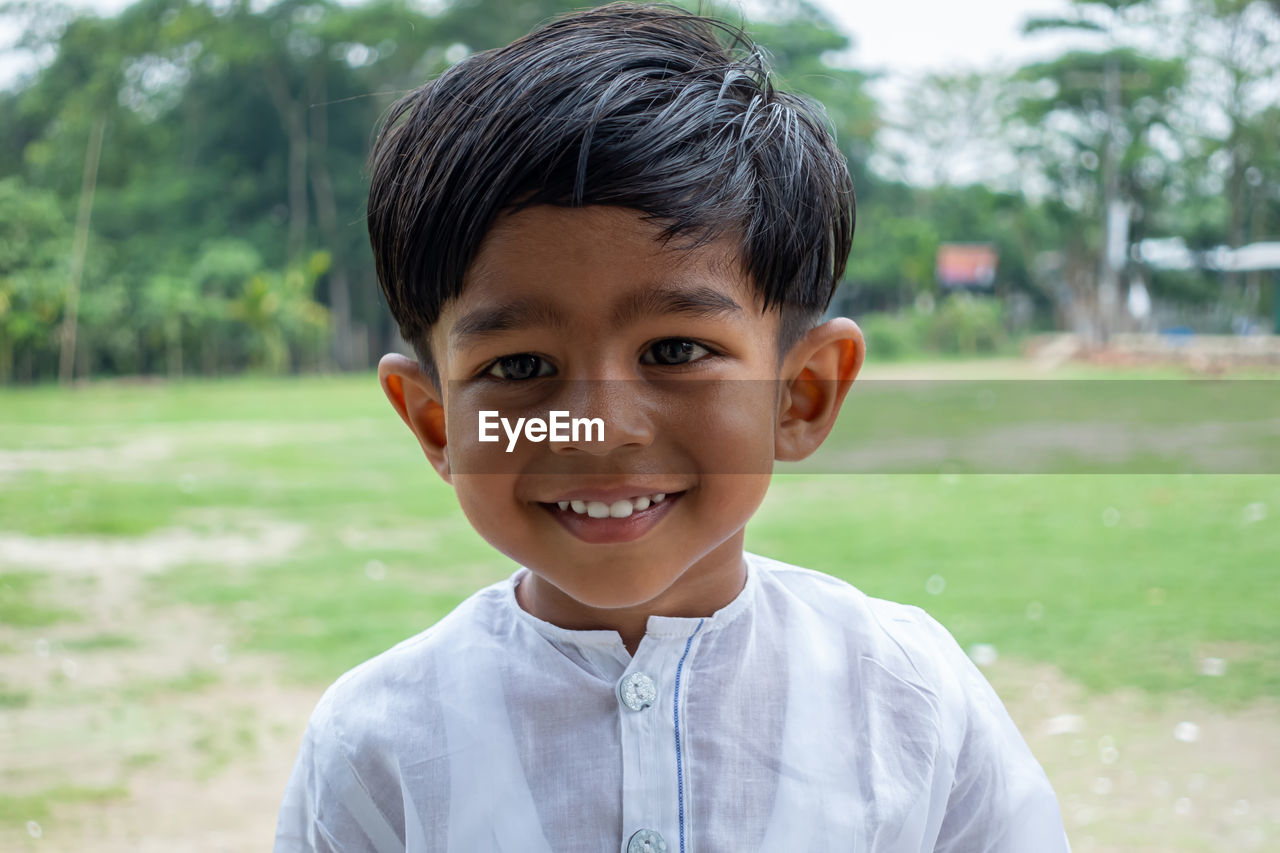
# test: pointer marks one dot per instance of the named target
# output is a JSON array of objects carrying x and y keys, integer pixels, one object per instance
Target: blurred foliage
[
  {"x": 893, "y": 335},
  {"x": 961, "y": 324},
  {"x": 967, "y": 325},
  {"x": 227, "y": 224},
  {"x": 34, "y": 246}
]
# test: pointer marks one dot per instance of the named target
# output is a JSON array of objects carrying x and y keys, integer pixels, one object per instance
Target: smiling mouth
[
  {"x": 621, "y": 508},
  {"x": 621, "y": 520}
]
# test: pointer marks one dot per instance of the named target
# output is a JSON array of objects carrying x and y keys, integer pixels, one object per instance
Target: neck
[{"x": 709, "y": 585}]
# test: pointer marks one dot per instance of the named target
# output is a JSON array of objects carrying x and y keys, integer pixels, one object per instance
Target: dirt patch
[
  {"x": 140, "y": 727},
  {"x": 1136, "y": 773},
  {"x": 213, "y": 769},
  {"x": 149, "y": 448},
  {"x": 154, "y": 552},
  {"x": 123, "y": 457}
]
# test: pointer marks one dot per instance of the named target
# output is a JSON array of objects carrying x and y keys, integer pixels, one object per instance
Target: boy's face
[{"x": 580, "y": 310}]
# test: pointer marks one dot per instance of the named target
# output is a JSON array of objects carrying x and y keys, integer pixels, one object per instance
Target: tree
[
  {"x": 948, "y": 131},
  {"x": 35, "y": 242},
  {"x": 1233, "y": 49},
  {"x": 1097, "y": 128},
  {"x": 222, "y": 120}
]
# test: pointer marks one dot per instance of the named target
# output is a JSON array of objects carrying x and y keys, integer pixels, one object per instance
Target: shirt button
[
  {"x": 637, "y": 691},
  {"x": 646, "y": 841}
]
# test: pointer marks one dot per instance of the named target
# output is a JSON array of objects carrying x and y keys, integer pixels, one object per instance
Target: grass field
[{"x": 184, "y": 567}]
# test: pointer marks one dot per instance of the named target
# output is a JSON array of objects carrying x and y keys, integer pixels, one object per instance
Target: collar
[{"x": 597, "y": 643}]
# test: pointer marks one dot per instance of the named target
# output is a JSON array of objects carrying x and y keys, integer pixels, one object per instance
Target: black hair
[{"x": 633, "y": 105}]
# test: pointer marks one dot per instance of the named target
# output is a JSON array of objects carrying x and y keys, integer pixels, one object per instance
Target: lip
[
  {"x": 601, "y": 531},
  {"x": 613, "y": 493}
]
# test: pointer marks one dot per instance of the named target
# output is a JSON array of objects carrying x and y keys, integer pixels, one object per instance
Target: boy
[{"x": 618, "y": 218}]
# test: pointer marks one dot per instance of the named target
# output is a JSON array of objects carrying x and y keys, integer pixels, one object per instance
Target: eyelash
[
  {"x": 487, "y": 371},
  {"x": 706, "y": 349}
]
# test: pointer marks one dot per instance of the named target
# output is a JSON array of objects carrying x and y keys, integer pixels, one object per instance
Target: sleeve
[
  {"x": 327, "y": 808},
  {"x": 1000, "y": 800},
  {"x": 296, "y": 829}
]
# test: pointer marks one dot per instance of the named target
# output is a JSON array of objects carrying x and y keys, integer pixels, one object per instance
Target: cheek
[
  {"x": 734, "y": 498},
  {"x": 488, "y": 503},
  {"x": 727, "y": 427}
]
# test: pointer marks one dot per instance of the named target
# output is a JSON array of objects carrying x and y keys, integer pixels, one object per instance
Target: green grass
[
  {"x": 18, "y": 809},
  {"x": 23, "y": 601},
  {"x": 1134, "y": 578},
  {"x": 10, "y": 698},
  {"x": 192, "y": 680},
  {"x": 99, "y": 642},
  {"x": 143, "y": 759}
]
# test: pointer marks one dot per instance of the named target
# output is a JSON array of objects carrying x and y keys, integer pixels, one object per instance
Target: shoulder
[
  {"x": 902, "y": 638},
  {"x": 370, "y": 707},
  {"x": 896, "y": 655},
  {"x": 348, "y": 781},
  {"x": 909, "y": 667}
]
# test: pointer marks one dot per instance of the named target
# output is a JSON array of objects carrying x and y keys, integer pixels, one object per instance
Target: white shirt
[{"x": 803, "y": 716}]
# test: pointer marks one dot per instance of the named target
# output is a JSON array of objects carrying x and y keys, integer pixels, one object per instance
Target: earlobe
[
  {"x": 817, "y": 372},
  {"x": 418, "y": 403}
]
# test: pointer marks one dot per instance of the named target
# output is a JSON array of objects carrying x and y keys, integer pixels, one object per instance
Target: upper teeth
[{"x": 617, "y": 509}]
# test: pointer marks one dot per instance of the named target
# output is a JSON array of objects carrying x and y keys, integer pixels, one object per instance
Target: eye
[
  {"x": 520, "y": 367},
  {"x": 672, "y": 351}
]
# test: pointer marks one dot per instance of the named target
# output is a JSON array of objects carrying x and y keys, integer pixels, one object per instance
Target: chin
[{"x": 620, "y": 584}]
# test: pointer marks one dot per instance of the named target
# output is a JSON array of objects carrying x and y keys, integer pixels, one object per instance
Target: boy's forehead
[
  {"x": 550, "y": 237},
  {"x": 594, "y": 255}
]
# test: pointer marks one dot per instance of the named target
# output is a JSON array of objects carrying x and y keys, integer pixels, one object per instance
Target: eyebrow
[
  {"x": 517, "y": 314},
  {"x": 695, "y": 301},
  {"x": 665, "y": 299}
]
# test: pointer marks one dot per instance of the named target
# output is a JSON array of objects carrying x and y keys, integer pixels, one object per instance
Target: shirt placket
[{"x": 651, "y": 696}]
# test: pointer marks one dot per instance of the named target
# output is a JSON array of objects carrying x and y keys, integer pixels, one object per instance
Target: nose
[{"x": 612, "y": 414}]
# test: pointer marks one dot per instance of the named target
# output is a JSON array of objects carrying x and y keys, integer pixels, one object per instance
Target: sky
[
  {"x": 905, "y": 37},
  {"x": 898, "y": 37}
]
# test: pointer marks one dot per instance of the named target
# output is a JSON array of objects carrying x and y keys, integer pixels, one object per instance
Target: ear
[
  {"x": 418, "y": 403},
  {"x": 816, "y": 376}
]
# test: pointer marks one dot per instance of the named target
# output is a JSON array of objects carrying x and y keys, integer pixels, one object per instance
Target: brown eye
[
  {"x": 520, "y": 367},
  {"x": 674, "y": 351}
]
